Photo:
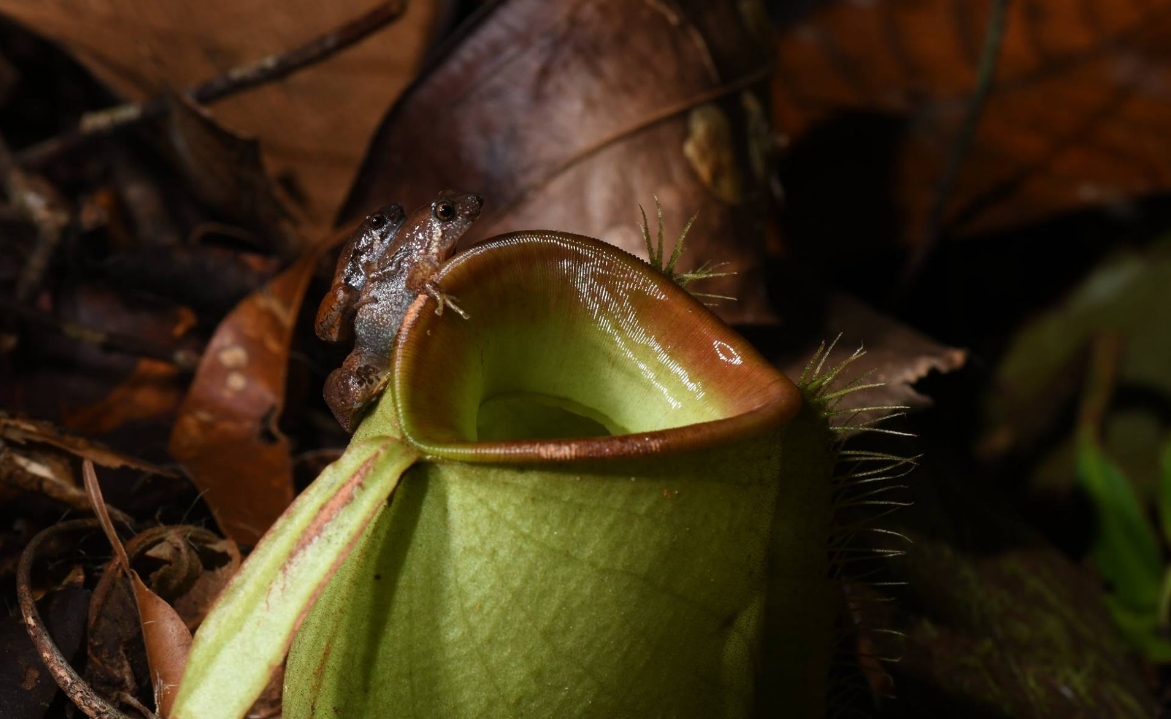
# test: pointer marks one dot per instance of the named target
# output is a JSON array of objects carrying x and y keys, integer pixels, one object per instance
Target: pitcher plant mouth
[{"x": 578, "y": 324}]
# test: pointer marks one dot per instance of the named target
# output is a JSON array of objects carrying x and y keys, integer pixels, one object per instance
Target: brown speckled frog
[
  {"x": 335, "y": 316},
  {"x": 387, "y": 285}
]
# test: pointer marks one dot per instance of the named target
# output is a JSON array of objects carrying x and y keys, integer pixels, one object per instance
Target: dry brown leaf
[
  {"x": 79, "y": 381},
  {"x": 168, "y": 642},
  {"x": 1077, "y": 114},
  {"x": 313, "y": 126},
  {"x": 196, "y": 565},
  {"x": 46, "y": 473},
  {"x": 226, "y": 434},
  {"x": 567, "y": 116},
  {"x": 152, "y": 390},
  {"x": 30, "y": 430},
  {"x": 897, "y": 356},
  {"x": 225, "y": 170},
  {"x": 167, "y": 639}
]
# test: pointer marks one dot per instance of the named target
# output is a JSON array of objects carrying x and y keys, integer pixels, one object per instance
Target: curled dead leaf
[
  {"x": 194, "y": 564},
  {"x": 897, "y": 356},
  {"x": 186, "y": 566}
]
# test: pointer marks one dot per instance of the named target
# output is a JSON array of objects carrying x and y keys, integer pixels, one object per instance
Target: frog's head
[
  {"x": 451, "y": 214},
  {"x": 377, "y": 230}
]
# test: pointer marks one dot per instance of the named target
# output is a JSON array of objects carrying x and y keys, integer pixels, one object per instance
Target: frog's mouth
[{"x": 574, "y": 349}]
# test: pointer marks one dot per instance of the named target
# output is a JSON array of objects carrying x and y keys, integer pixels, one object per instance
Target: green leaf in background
[
  {"x": 1125, "y": 548},
  {"x": 1165, "y": 491},
  {"x": 1128, "y": 294},
  {"x": 1164, "y": 499},
  {"x": 1141, "y": 628}
]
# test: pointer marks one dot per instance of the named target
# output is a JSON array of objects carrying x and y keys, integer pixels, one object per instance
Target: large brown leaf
[
  {"x": 313, "y": 126},
  {"x": 1077, "y": 114},
  {"x": 226, "y": 434},
  {"x": 568, "y": 115}
]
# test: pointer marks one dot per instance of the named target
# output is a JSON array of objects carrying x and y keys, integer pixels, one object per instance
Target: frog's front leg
[
  {"x": 421, "y": 278},
  {"x": 442, "y": 298}
]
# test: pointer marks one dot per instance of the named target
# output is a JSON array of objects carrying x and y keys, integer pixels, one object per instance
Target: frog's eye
[
  {"x": 444, "y": 211},
  {"x": 377, "y": 220}
]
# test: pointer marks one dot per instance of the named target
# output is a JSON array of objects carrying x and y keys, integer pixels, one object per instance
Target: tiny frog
[
  {"x": 335, "y": 317},
  {"x": 403, "y": 270}
]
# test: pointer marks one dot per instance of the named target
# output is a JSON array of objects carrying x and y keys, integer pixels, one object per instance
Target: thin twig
[
  {"x": 93, "y": 491},
  {"x": 184, "y": 359},
  {"x": 989, "y": 57},
  {"x": 39, "y": 203},
  {"x": 76, "y": 688},
  {"x": 238, "y": 79},
  {"x": 129, "y": 699}
]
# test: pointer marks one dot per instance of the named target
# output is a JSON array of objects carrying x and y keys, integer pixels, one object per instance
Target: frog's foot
[
  {"x": 442, "y": 298},
  {"x": 351, "y": 388}
]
